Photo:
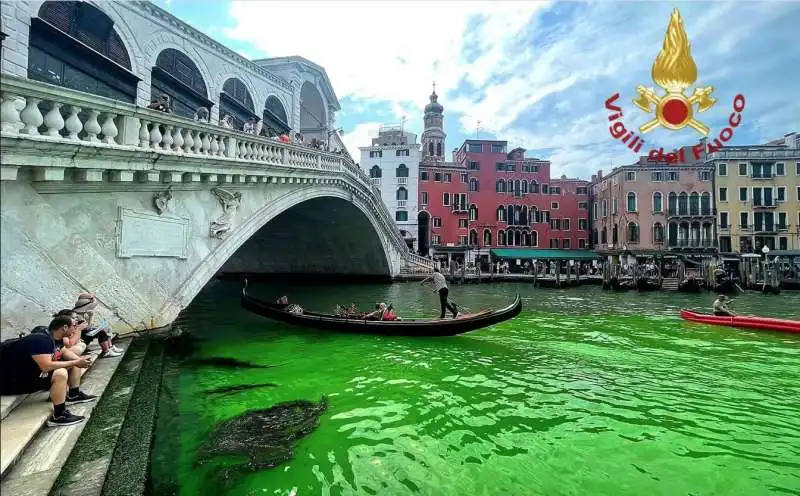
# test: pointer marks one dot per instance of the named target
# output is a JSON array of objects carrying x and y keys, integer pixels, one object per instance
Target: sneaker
[
  {"x": 116, "y": 350},
  {"x": 110, "y": 353},
  {"x": 80, "y": 397},
  {"x": 64, "y": 420}
]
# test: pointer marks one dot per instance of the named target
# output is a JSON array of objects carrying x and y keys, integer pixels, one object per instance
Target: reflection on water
[{"x": 586, "y": 392}]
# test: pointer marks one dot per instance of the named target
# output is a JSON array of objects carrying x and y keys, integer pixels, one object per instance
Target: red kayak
[{"x": 744, "y": 322}]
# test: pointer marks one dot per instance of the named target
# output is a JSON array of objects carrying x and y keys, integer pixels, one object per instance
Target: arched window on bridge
[
  {"x": 487, "y": 237},
  {"x": 275, "y": 115},
  {"x": 473, "y": 237},
  {"x": 401, "y": 171},
  {"x": 375, "y": 172},
  {"x": 402, "y": 193},
  {"x": 74, "y": 45},
  {"x": 176, "y": 76},
  {"x": 235, "y": 100}
]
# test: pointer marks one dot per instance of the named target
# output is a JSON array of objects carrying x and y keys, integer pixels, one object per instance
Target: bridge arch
[{"x": 271, "y": 211}]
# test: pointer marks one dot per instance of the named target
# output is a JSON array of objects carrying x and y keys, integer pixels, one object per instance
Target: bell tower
[{"x": 433, "y": 136}]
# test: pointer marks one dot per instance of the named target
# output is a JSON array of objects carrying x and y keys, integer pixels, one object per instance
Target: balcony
[
  {"x": 402, "y": 181},
  {"x": 759, "y": 204},
  {"x": 401, "y": 203},
  {"x": 693, "y": 243},
  {"x": 376, "y": 181},
  {"x": 765, "y": 228},
  {"x": 689, "y": 212}
]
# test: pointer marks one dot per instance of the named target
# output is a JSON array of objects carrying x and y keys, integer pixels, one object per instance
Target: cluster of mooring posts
[
  {"x": 723, "y": 273},
  {"x": 544, "y": 268}
]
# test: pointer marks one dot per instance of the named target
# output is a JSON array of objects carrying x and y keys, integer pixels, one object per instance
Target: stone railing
[
  {"x": 51, "y": 112},
  {"x": 54, "y": 114}
]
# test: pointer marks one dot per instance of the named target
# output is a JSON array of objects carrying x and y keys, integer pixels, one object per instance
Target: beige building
[{"x": 757, "y": 195}]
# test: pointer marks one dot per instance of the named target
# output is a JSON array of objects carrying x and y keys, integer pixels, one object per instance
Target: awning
[{"x": 544, "y": 254}]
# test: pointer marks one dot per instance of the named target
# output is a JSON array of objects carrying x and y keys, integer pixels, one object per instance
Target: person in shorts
[{"x": 37, "y": 362}]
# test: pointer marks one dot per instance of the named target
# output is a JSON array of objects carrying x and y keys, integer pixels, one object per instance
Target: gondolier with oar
[{"x": 440, "y": 287}]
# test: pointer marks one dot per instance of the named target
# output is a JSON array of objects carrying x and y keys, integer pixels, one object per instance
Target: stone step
[
  {"x": 85, "y": 470},
  {"x": 32, "y": 456}
]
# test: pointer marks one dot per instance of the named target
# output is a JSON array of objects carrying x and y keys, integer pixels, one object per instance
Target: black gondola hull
[{"x": 414, "y": 328}]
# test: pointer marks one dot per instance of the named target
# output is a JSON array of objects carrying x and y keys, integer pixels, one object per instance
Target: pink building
[
  {"x": 569, "y": 213},
  {"x": 650, "y": 206}
]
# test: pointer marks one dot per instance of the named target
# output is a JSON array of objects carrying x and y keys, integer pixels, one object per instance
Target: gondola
[{"x": 415, "y": 328}]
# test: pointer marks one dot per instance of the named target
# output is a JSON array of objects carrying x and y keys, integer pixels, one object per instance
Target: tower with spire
[{"x": 433, "y": 136}]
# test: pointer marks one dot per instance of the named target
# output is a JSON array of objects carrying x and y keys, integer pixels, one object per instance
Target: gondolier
[{"x": 440, "y": 287}]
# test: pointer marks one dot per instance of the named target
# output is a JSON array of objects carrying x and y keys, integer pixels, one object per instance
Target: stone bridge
[{"x": 145, "y": 207}]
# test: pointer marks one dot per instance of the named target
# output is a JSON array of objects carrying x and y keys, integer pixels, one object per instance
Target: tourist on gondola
[
  {"x": 440, "y": 287},
  {"x": 721, "y": 306}
]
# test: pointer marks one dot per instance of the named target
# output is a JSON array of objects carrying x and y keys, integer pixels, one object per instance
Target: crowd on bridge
[
  {"x": 50, "y": 358},
  {"x": 252, "y": 126}
]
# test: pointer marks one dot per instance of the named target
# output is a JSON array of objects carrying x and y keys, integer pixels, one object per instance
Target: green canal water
[{"x": 586, "y": 392}]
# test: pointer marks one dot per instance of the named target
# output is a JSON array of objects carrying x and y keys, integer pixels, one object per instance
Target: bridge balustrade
[{"x": 48, "y": 113}]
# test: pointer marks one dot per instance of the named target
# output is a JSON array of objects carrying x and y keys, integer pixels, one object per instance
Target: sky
[{"x": 536, "y": 74}]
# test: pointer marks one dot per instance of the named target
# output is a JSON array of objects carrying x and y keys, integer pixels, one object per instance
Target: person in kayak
[
  {"x": 440, "y": 287},
  {"x": 721, "y": 306}
]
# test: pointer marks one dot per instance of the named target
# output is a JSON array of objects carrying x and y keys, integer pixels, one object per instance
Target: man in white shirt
[{"x": 440, "y": 287}]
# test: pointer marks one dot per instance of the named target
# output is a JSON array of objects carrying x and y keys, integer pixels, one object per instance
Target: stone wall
[{"x": 63, "y": 237}]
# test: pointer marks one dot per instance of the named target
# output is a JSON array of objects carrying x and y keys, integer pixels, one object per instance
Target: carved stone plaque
[{"x": 141, "y": 234}]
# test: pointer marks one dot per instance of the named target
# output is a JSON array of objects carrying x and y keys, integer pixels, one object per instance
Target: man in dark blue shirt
[{"x": 37, "y": 362}]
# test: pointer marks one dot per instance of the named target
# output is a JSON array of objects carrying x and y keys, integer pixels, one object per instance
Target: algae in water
[{"x": 266, "y": 437}]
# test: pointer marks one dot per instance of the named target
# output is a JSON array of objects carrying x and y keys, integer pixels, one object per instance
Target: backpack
[{"x": 4, "y": 345}]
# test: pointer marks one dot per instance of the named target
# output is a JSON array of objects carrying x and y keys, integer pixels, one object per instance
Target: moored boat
[
  {"x": 413, "y": 327},
  {"x": 744, "y": 321}
]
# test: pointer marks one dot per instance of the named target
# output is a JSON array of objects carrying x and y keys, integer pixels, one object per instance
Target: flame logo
[{"x": 674, "y": 70}]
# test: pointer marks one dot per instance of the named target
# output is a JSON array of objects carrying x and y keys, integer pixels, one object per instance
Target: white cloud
[
  {"x": 546, "y": 95},
  {"x": 389, "y": 50},
  {"x": 360, "y": 136}
]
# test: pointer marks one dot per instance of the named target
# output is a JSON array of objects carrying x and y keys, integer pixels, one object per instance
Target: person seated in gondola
[
  {"x": 720, "y": 306},
  {"x": 389, "y": 314},
  {"x": 380, "y": 309},
  {"x": 283, "y": 300}
]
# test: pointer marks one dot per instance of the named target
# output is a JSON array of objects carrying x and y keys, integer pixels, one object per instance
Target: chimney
[
  {"x": 594, "y": 178},
  {"x": 600, "y": 174}
]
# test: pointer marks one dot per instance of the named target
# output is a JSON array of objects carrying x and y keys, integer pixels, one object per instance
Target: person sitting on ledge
[
  {"x": 36, "y": 362},
  {"x": 721, "y": 307},
  {"x": 85, "y": 334}
]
